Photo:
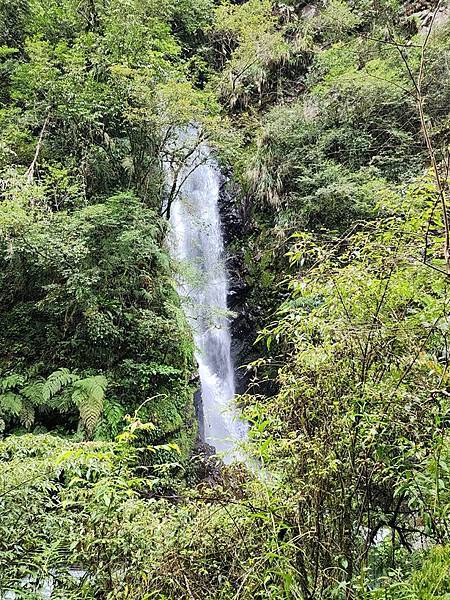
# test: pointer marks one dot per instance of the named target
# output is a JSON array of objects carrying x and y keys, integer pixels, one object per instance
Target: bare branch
[{"x": 32, "y": 167}]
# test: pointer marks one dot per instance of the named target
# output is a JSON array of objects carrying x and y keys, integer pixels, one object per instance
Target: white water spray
[{"x": 197, "y": 243}]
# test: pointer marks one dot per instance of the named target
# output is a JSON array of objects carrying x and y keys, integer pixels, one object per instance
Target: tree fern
[
  {"x": 11, "y": 381},
  {"x": 62, "y": 402},
  {"x": 88, "y": 395},
  {"x": 56, "y": 381},
  {"x": 11, "y": 404},
  {"x": 27, "y": 415},
  {"x": 20, "y": 397},
  {"x": 33, "y": 392}
]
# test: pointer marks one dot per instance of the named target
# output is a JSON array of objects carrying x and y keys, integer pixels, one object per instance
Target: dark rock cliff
[{"x": 237, "y": 225}]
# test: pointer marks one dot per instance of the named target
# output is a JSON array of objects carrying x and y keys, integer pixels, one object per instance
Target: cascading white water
[{"x": 197, "y": 242}]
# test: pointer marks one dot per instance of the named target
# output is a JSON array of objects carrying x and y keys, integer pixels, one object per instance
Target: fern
[
  {"x": 16, "y": 402},
  {"x": 89, "y": 395},
  {"x": 33, "y": 392},
  {"x": 11, "y": 381},
  {"x": 27, "y": 415},
  {"x": 55, "y": 382},
  {"x": 19, "y": 398},
  {"x": 62, "y": 402},
  {"x": 11, "y": 403}
]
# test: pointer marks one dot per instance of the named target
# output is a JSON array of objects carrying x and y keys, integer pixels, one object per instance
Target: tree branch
[{"x": 32, "y": 167}]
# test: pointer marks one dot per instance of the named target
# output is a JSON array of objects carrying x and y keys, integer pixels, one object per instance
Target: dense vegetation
[{"x": 332, "y": 119}]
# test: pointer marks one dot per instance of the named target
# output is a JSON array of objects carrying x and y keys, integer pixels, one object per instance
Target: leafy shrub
[
  {"x": 357, "y": 430},
  {"x": 90, "y": 291}
]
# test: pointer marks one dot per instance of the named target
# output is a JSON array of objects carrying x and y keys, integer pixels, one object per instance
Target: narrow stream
[{"x": 197, "y": 242}]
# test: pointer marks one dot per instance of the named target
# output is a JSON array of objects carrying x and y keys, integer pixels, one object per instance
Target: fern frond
[
  {"x": 63, "y": 402},
  {"x": 56, "y": 381},
  {"x": 11, "y": 381},
  {"x": 11, "y": 404},
  {"x": 33, "y": 392},
  {"x": 27, "y": 415},
  {"x": 88, "y": 395}
]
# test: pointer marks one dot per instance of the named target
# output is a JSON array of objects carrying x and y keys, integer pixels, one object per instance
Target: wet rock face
[
  {"x": 423, "y": 11},
  {"x": 232, "y": 212},
  {"x": 237, "y": 224},
  {"x": 425, "y": 17}
]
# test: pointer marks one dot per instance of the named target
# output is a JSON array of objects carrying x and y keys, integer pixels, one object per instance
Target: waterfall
[{"x": 197, "y": 243}]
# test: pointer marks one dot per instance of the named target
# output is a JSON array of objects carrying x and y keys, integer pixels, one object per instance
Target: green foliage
[
  {"x": 24, "y": 396},
  {"x": 86, "y": 284},
  {"x": 248, "y": 38},
  {"x": 66, "y": 504},
  {"x": 336, "y": 20},
  {"x": 87, "y": 505},
  {"x": 357, "y": 431},
  {"x": 314, "y": 107},
  {"x": 342, "y": 125},
  {"x": 91, "y": 289},
  {"x": 88, "y": 395},
  {"x": 430, "y": 582},
  {"x": 13, "y": 16},
  {"x": 331, "y": 137},
  {"x": 55, "y": 382}
]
